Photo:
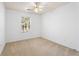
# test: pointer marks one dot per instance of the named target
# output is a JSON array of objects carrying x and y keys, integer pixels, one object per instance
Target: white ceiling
[{"x": 21, "y": 6}]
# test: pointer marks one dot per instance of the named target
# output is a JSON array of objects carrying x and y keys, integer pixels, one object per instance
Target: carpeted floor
[{"x": 37, "y": 47}]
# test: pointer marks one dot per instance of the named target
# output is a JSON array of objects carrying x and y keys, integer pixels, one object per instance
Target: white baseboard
[
  {"x": 22, "y": 39},
  {"x": 45, "y": 37}
]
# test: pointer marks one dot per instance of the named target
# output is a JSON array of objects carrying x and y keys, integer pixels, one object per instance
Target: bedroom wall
[
  {"x": 62, "y": 25},
  {"x": 2, "y": 27},
  {"x": 13, "y": 26}
]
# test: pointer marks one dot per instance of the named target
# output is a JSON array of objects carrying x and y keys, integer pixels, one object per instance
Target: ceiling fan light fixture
[
  {"x": 40, "y": 9},
  {"x": 37, "y": 7},
  {"x": 36, "y": 10}
]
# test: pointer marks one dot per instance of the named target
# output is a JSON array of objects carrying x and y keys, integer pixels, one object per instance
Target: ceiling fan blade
[{"x": 33, "y": 7}]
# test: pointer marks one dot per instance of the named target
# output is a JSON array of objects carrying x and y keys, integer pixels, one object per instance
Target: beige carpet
[{"x": 37, "y": 47}]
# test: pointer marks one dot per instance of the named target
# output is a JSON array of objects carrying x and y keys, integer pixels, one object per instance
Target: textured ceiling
[{"x": 21, "y": 6}]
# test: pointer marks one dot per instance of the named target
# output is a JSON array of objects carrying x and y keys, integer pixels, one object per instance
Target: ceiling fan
[{"x": 37, "y": 7}]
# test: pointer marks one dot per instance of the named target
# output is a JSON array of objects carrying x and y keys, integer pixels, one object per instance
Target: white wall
[
  {"x": 2, "y": 27},
  {"x": 62, "y": 25},
  {"x": 13, "y": 25}
]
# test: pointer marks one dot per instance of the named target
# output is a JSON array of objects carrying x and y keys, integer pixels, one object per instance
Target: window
[{"x": 25, "y": 24}]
